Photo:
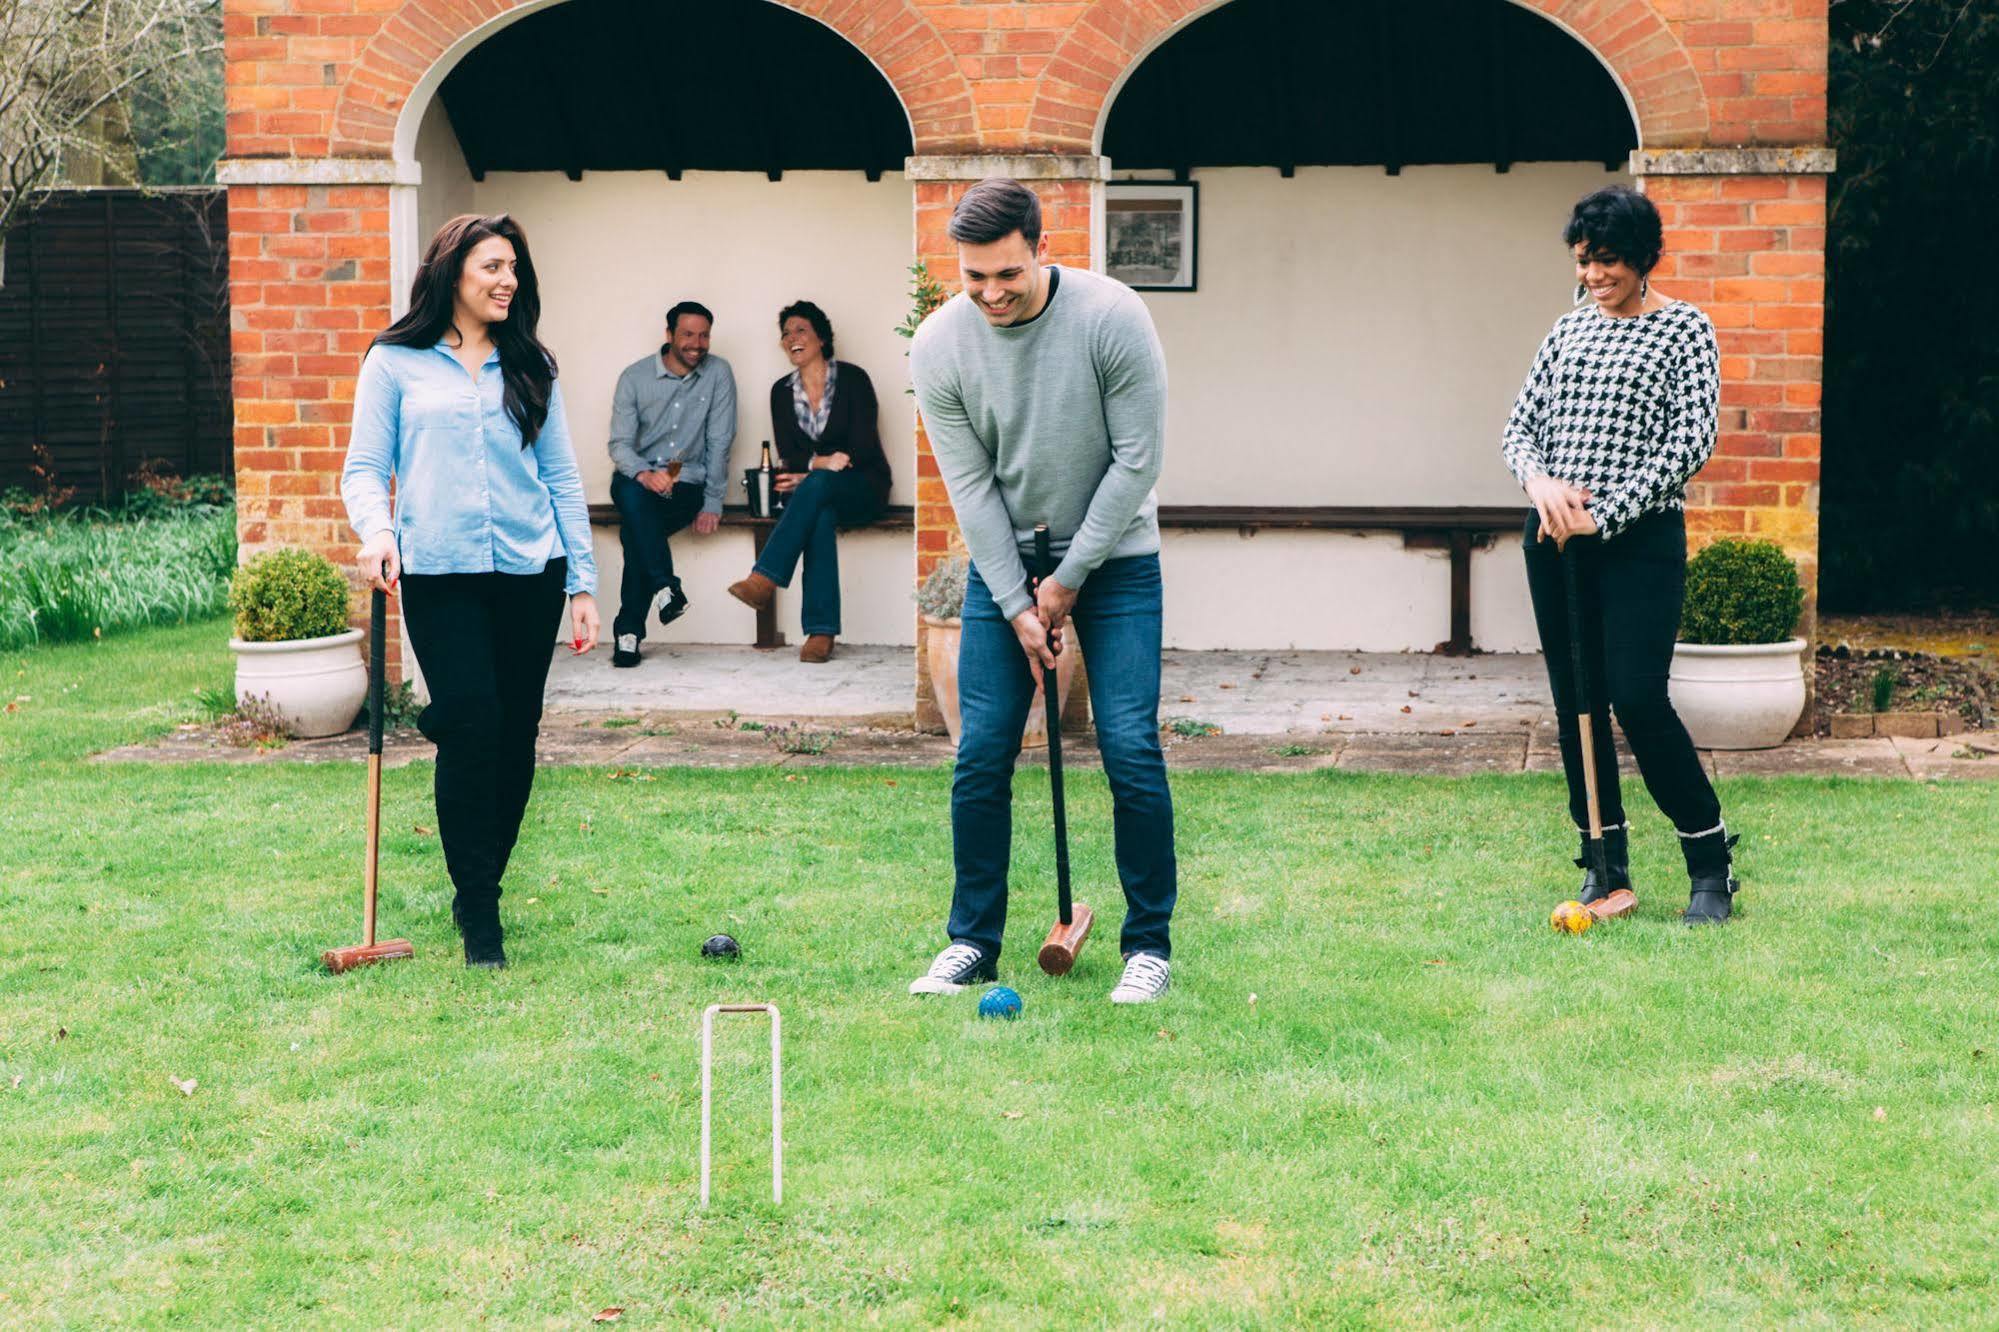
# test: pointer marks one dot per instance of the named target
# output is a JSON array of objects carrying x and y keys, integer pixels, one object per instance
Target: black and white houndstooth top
[{"x": 1622, "y": 407}]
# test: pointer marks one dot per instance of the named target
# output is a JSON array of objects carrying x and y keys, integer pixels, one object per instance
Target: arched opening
[
  {"x": 1381, "y": 187},
  {"x": 739, "y": 154}
]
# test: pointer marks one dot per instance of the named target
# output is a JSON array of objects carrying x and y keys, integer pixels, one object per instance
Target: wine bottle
[{"x": 766, "y": 483}]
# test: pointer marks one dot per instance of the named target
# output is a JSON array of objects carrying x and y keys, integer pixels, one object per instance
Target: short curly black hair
[
  {"x": 814, "y": 316},
  {"x": 1618, "y": 220}
]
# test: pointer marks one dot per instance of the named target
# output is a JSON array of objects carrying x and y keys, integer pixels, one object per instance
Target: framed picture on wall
[{"x": 1151, "y": 230}]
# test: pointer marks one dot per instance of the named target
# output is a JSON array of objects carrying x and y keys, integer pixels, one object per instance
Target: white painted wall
[
  {"x": 446, "y": 188},
  {"x": 1356, "y": 339},
  {"x": 1331, "y": 591}
]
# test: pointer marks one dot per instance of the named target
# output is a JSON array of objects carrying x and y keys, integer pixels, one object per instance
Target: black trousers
[
  {"x": 484, "y": 642},
  {"x": 645, "y": 521},
  {"x": 1632, "y": 586}
]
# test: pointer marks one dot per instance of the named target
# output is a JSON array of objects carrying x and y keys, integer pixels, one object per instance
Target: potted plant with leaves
[
  {"x": 293, "y": 647},
  {"x": 941, "y": 602},
  {"x": 1738, "y": 678}
]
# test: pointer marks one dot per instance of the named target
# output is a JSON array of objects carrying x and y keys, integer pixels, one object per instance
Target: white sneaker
[
  {"x": 1146, "y": 977},
  {"x": 955, "y": 968}
]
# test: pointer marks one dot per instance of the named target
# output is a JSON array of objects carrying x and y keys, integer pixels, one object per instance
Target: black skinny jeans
[
  {"x": 1632, "y": 586},
  {"x": 484, "y": 642}
]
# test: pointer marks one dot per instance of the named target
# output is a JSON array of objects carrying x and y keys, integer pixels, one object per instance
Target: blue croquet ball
[
  {"x": 721, "y": 946},
  {"x": 999, "y": 1002}
]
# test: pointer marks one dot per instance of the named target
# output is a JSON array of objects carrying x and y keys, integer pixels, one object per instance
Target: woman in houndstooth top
[{"x": 1617, "y": 413}]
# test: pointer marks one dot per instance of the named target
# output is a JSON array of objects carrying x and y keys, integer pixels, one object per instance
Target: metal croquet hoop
[{"x": 776, "y": 1092}]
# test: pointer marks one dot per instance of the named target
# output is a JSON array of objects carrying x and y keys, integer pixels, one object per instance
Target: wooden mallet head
[
  {"x": 338, "y": 960},
  {"x": 1064, "y": 942}
]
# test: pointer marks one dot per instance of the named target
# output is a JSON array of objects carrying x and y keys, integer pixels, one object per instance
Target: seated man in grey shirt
[{"x": 673, "y": 419}]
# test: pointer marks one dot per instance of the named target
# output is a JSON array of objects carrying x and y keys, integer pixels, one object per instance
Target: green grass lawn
[{"x": 1381, "y": 1090}]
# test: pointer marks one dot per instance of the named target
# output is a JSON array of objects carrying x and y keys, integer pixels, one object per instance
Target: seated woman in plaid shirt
[
  {"x": 1616, "y": 415},
  {"x": 832, "y": 473}
]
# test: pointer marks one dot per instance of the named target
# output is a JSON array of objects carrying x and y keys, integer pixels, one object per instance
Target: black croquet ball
[{"x": 721, "y": 946}]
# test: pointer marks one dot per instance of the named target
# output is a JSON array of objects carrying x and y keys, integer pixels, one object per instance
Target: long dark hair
[{"x": 527, "y": 367}]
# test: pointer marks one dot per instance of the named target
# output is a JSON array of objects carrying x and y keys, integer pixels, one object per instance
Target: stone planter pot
[
  {"x": 1738, "y": 695},
  {"x": 317, "y": 685},
  {"x": 941, "y": 639}
]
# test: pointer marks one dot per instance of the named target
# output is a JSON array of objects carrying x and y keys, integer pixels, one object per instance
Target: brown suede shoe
[
  {"x": 817, "y": 648},
  {"x": 756, "y": 591}
]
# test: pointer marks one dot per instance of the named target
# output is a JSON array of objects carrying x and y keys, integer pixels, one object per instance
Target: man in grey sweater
[{"x": 1044, "y": 393}]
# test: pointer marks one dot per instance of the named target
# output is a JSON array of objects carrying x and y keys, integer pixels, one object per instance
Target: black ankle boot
[
  {"x": 479, "y": 924},
  {"x": 1712, "y": 900},
  {"x": 1617, "y": 859}
]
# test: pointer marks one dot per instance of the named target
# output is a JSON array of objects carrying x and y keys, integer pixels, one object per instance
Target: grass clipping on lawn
[{"x": 1380, "y": 1090}]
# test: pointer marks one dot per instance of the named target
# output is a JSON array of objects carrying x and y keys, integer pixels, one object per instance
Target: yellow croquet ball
[{"x": 1571, "y": 918}]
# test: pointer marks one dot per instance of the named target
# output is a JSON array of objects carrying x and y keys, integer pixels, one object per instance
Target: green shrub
[
  {"x": 1741, "y": 592},
  {"x": 942, "y": 596},
  {"x": 288, "y": 594}
]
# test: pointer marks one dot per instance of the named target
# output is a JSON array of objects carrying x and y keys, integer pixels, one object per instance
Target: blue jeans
[
  {"x": 814, "y": 513},
  {"x": 1117, "y": 621}
]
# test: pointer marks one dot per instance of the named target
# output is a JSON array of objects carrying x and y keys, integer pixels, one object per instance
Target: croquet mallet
[
  {"x": 368, "y": 952},
  {"x": 1623, "y": 900},
  {"x": 1072, "y": 919}
]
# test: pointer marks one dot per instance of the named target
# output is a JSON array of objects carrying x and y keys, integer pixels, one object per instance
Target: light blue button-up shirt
[{"x": 469, "y": 498}]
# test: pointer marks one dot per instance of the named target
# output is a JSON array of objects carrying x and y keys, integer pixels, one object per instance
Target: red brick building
[{"x": 332, "y": 102}]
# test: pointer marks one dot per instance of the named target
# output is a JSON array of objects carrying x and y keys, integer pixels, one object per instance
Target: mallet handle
[
  {"x": 1585, "y": 696},
  {"x": 1044, "y": 560},
  {"x": 377, "y": 656}
]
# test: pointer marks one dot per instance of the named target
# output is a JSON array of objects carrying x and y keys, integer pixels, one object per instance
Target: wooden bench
[
  {"x": 895, "y": 518},
  {"x": 1458, "y": 529},
  {"x": 1440, "y": 527}
]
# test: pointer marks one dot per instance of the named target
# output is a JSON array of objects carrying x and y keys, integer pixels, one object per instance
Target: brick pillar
[
  {"x": 308, "y": 291},
  {"x": 1069, "y": 188},
  {"x": 1745, "y": 240}
]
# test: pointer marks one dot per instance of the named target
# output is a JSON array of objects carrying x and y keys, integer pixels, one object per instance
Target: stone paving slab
[
  {"x": 718, "y": 741},
  {"x": 1950, "y": 756},
  {"x": 1278, "y": 712}
]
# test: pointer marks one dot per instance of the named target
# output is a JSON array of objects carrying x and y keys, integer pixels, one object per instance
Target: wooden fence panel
[{"x": 114, "y": 337}]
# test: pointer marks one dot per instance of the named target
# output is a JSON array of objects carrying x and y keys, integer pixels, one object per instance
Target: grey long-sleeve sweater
[{"x": 1060, "y": 420}]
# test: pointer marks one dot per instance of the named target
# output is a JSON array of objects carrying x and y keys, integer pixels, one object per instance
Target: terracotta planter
[
  {"x": 940, "y": 642},
  {"x": 1738, "y": 696},
  {"x": 317, "y": 685}
]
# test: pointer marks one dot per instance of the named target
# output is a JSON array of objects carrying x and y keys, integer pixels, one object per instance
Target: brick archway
[
  {"x": 1649, "y": 61},
  {"x": 402, "y": 59}
]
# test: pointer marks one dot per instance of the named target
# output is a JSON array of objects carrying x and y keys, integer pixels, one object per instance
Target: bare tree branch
[{"x": 66, "y": 70}]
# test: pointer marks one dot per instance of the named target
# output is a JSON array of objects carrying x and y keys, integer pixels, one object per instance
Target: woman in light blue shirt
[{"x": 458, "y": 402}]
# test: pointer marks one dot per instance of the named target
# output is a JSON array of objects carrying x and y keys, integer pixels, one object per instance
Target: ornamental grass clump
[
  {"x": 288, "y": 594},
  {"x": 1741, "y": 592},
  {"x": 72, "y": 576}
]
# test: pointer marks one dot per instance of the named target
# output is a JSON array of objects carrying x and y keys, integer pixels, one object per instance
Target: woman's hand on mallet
[
  {"x": 1560, "y": 506},
  {"x": 380, "y": 563},
  {"x": 583, "y": 622}
]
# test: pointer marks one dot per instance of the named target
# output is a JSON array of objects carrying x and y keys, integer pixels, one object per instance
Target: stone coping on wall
[
  {"x": 1019, "y": 166},
  {"x": 1733, "y": 161},
  {"x": 317, "y": 171}
]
